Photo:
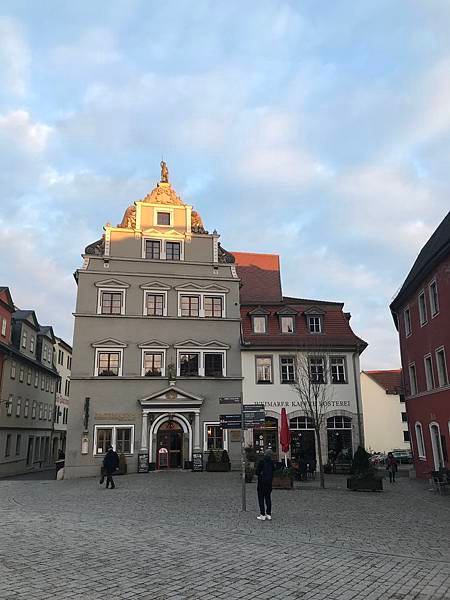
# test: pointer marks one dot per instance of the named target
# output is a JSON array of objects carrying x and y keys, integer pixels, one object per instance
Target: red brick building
[
  {"x": 6, "y": 310},
  {"x": 421, "y": 312}
]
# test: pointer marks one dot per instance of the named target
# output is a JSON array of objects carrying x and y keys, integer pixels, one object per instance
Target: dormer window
[
  {"x": 259, "y": 324},
  {"x": 287, "y": 324},
  {"x": 163, "y": 218},
  {"x": 315, "y": 323}
]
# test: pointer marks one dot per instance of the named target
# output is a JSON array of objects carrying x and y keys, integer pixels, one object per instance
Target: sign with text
[
  {"x": 230, "y": 400},
  {"x": 143, "y": 464},
  {"x": 254, "y": 418},
  {"x": 197, "y": 461},
  {"x": 230, "y": 421}
]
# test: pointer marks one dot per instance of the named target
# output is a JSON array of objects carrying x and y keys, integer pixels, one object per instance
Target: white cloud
[
  {"x": 18, "y": 130},
  {"x": 14, "y": 58}
]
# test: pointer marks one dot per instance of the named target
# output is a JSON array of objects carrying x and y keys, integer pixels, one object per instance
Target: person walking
[
  {"x": 391, "y": 466},
  {"x": 264, "y": 471},
  {"x": 110, "y": 464}
]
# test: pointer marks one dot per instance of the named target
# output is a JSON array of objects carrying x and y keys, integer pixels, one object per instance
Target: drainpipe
[{"x": 358, "y": 399}]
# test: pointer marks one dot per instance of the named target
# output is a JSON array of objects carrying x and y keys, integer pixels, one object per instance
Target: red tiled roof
[
  {"x": 260, "y": 276},
  {"x": 391, "y": 380},
  {"x": 337, "y": 330}
]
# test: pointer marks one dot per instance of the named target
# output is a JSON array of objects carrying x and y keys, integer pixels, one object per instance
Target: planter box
[
  {"x": 368, "y": 484},
  {"x": 282, "y": 483},
  {"x": 218, "y": 467}
]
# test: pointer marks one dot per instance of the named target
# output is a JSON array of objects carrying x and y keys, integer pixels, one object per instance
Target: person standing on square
[{"x": 264, "y": 471}]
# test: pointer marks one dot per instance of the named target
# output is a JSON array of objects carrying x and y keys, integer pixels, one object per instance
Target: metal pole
[{"x": 244, "y": 502}]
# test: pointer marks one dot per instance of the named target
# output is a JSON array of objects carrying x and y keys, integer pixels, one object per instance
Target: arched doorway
[
  {"x": 339, "y": 434},
  {"x": 170, "y": 438},
  {"x": 303, "y": 441},
  {"x": 266, "y": 436}
]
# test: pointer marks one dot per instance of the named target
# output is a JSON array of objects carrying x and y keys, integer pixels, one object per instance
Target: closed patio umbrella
[{"x": 285, "y": 434}]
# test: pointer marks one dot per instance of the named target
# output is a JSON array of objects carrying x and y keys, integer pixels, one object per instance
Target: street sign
[
  {"x": 254, "y": 418},
  {"x": 230, "y": 400},
  {"x": 252, "y": 407},
  {"x": 230, "y": 421}
]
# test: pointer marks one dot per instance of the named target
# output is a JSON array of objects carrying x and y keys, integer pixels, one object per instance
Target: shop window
[
  {"x": 301, "y": 423},
  {"x": 266, "y": 437},
  {"x": 339, "y": 436},
  {"x": 103, "y": 439},
  {"x": 119, "y": 437},
  {"x": 214, "y": 437},
  {"x": 264, "y": 369},
  {"x": 123, "y": 440}
]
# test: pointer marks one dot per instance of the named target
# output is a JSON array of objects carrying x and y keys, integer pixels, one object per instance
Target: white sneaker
[
  {"x": 261, "y": 518},
  {"x": 268, "y": 517}
]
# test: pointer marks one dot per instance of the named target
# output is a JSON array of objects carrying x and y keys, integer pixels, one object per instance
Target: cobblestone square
[{"x": 181, "y": 535}]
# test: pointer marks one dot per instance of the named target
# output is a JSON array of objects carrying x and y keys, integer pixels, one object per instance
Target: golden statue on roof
[{"x": 164, "y": 172}]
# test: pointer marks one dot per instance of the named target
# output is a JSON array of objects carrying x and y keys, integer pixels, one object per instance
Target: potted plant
[
  {"x": 218, "y": 463},
  {"x": 363, "y": 475},
  {"x": 283, "y": 477}
]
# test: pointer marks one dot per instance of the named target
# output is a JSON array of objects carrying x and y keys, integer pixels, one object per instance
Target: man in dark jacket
[
  {"x": 110, "y": 464},
  {"x": 264, "y": 471}
]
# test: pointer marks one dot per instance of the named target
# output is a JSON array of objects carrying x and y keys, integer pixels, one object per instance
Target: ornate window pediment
[
  {"x": 112, "y": 283},
  {"x": 109, "y": 342},
  {"x": 153, "y": 344},
  {"x": 202, "y": 288},
  {"x": 286, "y": 311},
  {"x": 155, "y": 285},
  {"x": 157, "y": 233},
  {"x": 196, "y": 344},
  {"x": 313, "y": 310},
  {"x": 259, "y": 311}
]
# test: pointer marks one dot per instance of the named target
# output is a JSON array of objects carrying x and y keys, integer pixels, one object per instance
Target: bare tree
[{"x": 314, "y": 393}]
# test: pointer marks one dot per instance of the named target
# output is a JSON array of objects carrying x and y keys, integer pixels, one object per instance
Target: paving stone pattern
[{"x": 179, "y": 536}]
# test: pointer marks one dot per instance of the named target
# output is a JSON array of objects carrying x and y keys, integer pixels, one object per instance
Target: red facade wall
[{"x": 434, "y": 405}]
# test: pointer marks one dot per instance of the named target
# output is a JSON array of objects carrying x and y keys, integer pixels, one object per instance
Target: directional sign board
[
  {"x": 252, "y": 407},
  {"x": 230, "y": 421},
  {"x": 254, "y": 418},
  {"x": 230, "y": 400}
]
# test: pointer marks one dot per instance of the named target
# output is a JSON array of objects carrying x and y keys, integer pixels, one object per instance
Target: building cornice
[
  {"x": 13, "y": 352},
  {"x": 147, "y": 318}
]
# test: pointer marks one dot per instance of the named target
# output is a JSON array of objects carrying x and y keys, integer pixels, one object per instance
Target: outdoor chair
[{"x": 440, "y": 481}]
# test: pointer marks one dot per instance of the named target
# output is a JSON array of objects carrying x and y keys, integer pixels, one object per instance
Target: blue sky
[{"x": 316, "y": 130}]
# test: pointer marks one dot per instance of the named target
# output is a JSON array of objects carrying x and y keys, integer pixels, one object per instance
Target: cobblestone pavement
[{"x": 179, "y": 536}]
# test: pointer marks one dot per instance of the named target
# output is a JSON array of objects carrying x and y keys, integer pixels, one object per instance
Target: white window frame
[
  {"x": 442, "y": 382},
  {"x": 36, "y": 379},
  {"x": 33, "y": 409},
  {"x": 18, "y": 406},
  {"x": 429, "y": 375},
  {"x": 162, "y": 250},
  {"x": 207, "y": 424},
  {"x": 21, "y": 373},
  {"x": 181, "y": 242},
  {"x": 439, "y": 449},
  {"x": 13, "y": 369},
  {"x": 292, "y": 318},
  {"x": 344, "y": 362},
  {"x": 155, "y": 292},
  {"x": 264, "y": 317},
  {"x": 42, "y": 382},
  {"x": 114, "y": 349},
  {"x": 165, "y": 210},
  {"x": 26, "y": 408},
  {"x": 114, "y": 291},
  {"x": 113, "y": 437},
  {"x": 290, "y": 357},
  {"x": 154, "y": 351},
  {"x": 423, "y": 316},
  {"x": 9, "y": 405},
  {"x": 29, "y": 377},
  {"x": 24, "y": 338},
  {"x": 319, "y": 317},
  {"x": 201, "y": 306},
  {"x": 415, "y": 390},
  {"x": 32, "y": 344},
  {"x": 434, "y": 312},
  {"x": 272, "y": 373},
  {"x": 4, "y": 322},
  {"x": 407, "y": 321},
  {"x": 201, "y": 362}
]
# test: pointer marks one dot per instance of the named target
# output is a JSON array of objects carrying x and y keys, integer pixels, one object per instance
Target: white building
[
  {"x": 274, "y": 329},
  {"x": 385, "y": 420}
]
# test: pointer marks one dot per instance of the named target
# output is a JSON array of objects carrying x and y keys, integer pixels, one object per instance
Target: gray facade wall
[{"x": 117, "y": 401}]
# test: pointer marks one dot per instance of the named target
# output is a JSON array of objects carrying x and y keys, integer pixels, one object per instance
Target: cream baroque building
[{"x": 156, "y": 340}]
